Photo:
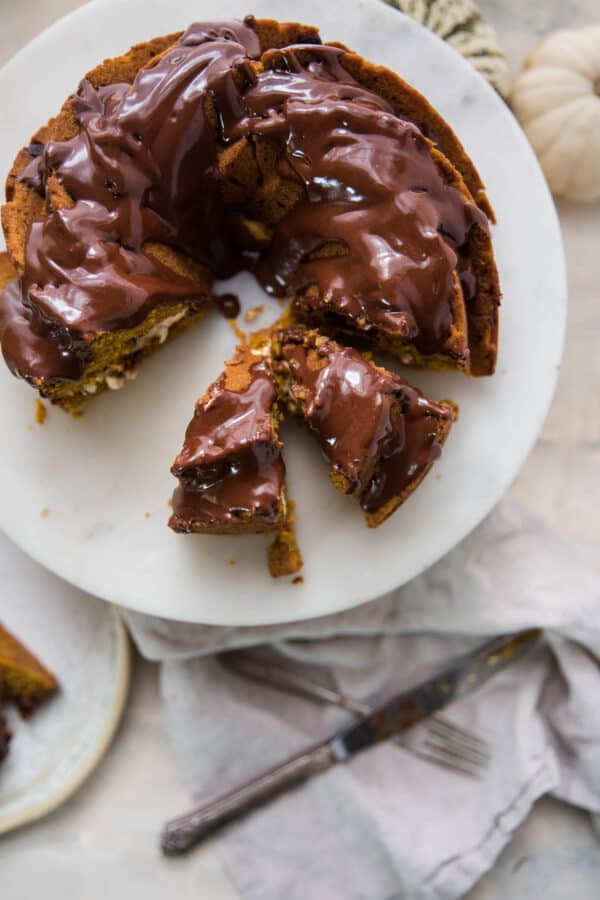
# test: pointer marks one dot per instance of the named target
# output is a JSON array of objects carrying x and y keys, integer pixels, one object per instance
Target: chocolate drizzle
[
  {"x": 33, "y": 347},
  {"x": 230, "y": 468},
  {"x": 412, "y": 448},
  {"x": 143, "y": 169},
  {"x": 379, "y": 435},
  {"x": 371, "y": 185},
  {"x": 228, "y": 305}
]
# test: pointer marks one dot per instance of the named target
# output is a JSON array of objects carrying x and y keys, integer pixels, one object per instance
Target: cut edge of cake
[{"x": 114, "y": 357}]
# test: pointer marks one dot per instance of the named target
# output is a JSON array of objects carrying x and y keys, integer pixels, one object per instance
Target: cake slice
[
  {"x": 230, "y": 469},
  {"x": 23, "y": 679},
  {"x": 379, "y": 434}
]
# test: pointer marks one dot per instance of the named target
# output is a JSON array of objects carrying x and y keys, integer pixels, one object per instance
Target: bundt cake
[
  {"x": 242, "y": 145},
  {"x": 380, "y": 435}
]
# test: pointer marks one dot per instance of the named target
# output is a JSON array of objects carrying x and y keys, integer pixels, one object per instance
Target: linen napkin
[{"x": 388, "y": 824}]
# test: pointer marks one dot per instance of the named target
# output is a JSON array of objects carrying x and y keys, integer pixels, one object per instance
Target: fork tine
[
  {"x": 459, "y": 748},
  {"x": 452, "y": 727},
  {"x": 449, "y": 730},
  {"x": 453, "y": 763},
  {"x": 459, "y": 753}
]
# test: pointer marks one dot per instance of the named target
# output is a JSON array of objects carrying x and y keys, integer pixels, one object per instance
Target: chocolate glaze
[
  {"x": 228, "y": 305},
  {"x": 26, "y": 344},
  {"x": 372, "y": 185},
  {"x": 143, "y": 168},
  {"x": 348, "y": 403},
  {"x": 412, "y": 449},
  {"x": 375, "y": 430},
  {"x": 230, "y": 468}
]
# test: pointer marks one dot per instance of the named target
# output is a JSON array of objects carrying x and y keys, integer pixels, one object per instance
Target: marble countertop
[{"x": 109, "y": 832}]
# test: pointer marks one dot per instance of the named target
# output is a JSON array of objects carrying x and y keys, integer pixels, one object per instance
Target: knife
[{"x": 403, "y": 711}]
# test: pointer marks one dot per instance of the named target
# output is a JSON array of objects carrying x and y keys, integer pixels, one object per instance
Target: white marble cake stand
[{"x": 103, "y": 482}]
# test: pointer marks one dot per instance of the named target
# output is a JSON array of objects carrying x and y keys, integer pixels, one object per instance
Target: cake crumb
[
  {"x": 438, "y": 476},
  {"x": 240, "y": 335},
  {"x": 251, "y": 314},
  {"x": 147, "y": 515},
  {"x": 45, "y": 512},
  {"x": 298, "y": 580},
  {"x": 170, "y": 503},
  {"x": 283, "y": 554},
  {"x": 40, "y": 412},
  {"x": 232, "y": 562}
]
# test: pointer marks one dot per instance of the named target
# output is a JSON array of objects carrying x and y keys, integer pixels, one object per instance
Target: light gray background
[{"x": 104, "y": 840}]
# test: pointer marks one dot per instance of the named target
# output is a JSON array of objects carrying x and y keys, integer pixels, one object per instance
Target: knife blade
[{"x": 462, "y": 677}]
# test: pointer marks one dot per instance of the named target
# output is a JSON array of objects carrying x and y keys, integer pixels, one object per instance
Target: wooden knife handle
[{"x": 182, "y": 833}]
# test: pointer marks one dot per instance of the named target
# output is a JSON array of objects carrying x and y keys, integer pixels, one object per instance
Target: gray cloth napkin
[{"x": 390, "y": 825}]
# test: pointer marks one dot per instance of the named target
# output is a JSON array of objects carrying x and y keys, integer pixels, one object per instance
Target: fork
[{"x": 439, "y": 741}]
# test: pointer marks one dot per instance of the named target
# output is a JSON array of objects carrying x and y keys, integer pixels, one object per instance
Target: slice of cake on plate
[
  {"x": 24, "y": 681},
  {"x": 379, "y": 434}
]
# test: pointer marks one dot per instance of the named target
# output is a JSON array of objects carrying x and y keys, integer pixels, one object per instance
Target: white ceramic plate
[
  {"x": 86, "y": 646},
  {"x": 104, "y": 480}
]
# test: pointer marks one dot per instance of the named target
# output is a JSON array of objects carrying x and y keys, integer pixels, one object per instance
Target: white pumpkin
[{"x": 557, "y": 101}]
